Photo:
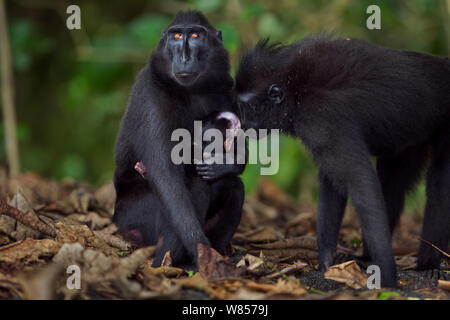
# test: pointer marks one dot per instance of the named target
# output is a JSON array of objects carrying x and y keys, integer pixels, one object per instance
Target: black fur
[
  {"x": 227, "y": 189},
  {"x": 349, "y": 100},
  {"x": 173, "y": 202}
]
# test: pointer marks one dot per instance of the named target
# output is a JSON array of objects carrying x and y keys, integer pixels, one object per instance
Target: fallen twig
[
  {"x": 287, "y": 270},
  {"x": 438, "y": 249},
  {"x": 113, "y": 241},
  {"x": 27, "y": 221}
]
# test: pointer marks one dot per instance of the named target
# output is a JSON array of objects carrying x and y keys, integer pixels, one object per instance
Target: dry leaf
[
  {"x": 4, "y": 240},
  {"x": 216, "y": 289},
  {"x": 287, "y": 287},
  {"x": 406, "y": 262},
  {"x": 113, "y": 240},
  {"x": 105, "y": 272},
  {"x": 80, "y": 233},
  {"x": 81, "y": 200},
  {"x": 303, "y": 223},
  {"x": 444, "y": 284},
  {"x": 434, "y": 293},
  {"x": 303, "y": 248},
  {"x": 92, "y": 219},
  {"x": 106, "y": 196},
  {"x": 305, "y": 242},
  {"x": 348, "y": 273},
  {"x": 212, "y": 264},
  {"x": 10, "y": 287},
  {"x": 170, "y": 272},
  {"x": 259, "y": 235},
  {"x": 29, "y": 251},
  {"x": 7, "y": 225},
  {"x": 21, "y": 203},
  {"x": 167, "y": 260},
  {"x": 271, "y": 193},
  {"x": 43, "y": 284},
  {"x": 250, "y": 262}
]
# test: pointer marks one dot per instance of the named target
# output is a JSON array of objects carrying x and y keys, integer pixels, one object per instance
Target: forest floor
[{"x": 61, "y": 225}]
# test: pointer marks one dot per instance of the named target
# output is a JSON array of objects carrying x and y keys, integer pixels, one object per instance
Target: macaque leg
[
  {"x": 225, "y": 212},
  {"x": 350, "y": 166},
  {"x": 436, "y": 222},
  {"x": 329, "y": 217},
  {"x": 398, "y": 175}
]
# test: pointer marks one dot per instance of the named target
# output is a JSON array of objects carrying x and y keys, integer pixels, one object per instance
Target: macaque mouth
[
  {"x": 246, "y": 97},
  {"x": 185, "y": 74}
]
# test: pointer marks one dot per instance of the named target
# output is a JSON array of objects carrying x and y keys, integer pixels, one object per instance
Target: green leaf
[
  {"x": 122, "y": 253},
  {"x": 385, "y": 295},
  {"x": 356, "y": 241}
]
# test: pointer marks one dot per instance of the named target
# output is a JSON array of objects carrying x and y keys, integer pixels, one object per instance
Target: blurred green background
[{"x": 72, "y": 86}]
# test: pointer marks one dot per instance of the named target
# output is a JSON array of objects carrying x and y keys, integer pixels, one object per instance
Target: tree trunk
[{"x": 7, "y": 89}]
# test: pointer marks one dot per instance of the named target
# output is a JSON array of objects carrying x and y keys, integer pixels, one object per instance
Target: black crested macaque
[
  {"x": 348, "y": 100},
  {"x": 186, "y": 79},
  {"x": 224, "y": 212}
]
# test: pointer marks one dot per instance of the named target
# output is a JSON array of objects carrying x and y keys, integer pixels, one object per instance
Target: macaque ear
[
  {"x": 232, "y": 119},
  {"x": 219, "y": 35}
]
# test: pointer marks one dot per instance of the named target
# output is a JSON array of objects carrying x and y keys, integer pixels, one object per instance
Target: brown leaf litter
[{"x": 49, "y": 228}]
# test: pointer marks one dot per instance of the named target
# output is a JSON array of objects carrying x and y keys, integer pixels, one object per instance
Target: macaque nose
[
  {"x": 185, "y": 53},
  {"x": 184, "y": 59},
  {"x": 245, "y": 97}
]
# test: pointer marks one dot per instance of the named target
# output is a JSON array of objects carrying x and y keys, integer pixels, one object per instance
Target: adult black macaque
[
  {"x": 348, "y": 100},
  {"x": 186, "y": 79}
]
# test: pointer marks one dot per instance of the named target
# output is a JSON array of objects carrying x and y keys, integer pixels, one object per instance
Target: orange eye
[
  {"x": 194, "y": 35},
  {"x": 177, "y": 36}
]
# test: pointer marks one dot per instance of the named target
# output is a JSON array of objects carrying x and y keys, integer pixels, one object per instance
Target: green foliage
[
  {"x": 69, "y": 108},
  {"x": 25, "y": 43},
  {"x": 145, "y": 31},
  {"x": 73, "y": 166},
  {"x": 269, "y": 26},
  {"x": 230, "y": 36},
  {"x": 252, "y": 11},
  {"x": 207, "y": 6}
]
